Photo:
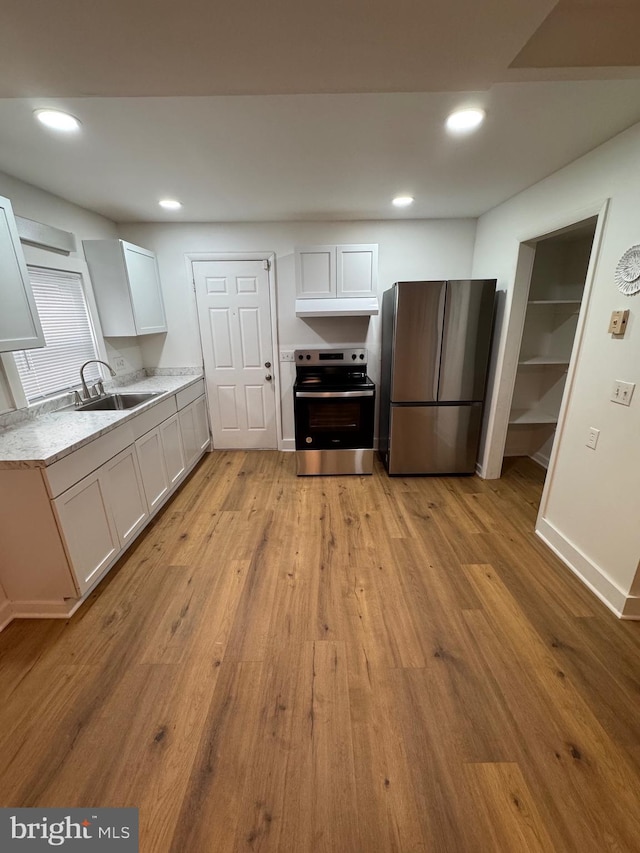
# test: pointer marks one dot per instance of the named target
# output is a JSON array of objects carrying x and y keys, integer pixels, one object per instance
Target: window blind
[{"x": 68, "y": 335}]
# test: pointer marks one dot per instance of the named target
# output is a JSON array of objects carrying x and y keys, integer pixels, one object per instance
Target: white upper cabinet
[
  {"x": 337, "y": 280},
  {"x": 315, "y": 272},
  {"x": 127, "y": 288},
  {"x": 357, "y": 270},
  {"x": 19, "y": 323},
  {"x": 336, "y": 271}
]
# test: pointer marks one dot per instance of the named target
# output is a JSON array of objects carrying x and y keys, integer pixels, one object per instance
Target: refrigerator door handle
[{"x": 442, "y": 307}]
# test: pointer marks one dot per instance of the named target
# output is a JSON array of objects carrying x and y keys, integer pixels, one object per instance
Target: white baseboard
[
  {"x": 592, "y": 575},
  {"x": 632, "y": 608},
  {"x": 541, "y": 459},
  {"x": 45, "y": 609},
  {"x": 6, "y": 614}
]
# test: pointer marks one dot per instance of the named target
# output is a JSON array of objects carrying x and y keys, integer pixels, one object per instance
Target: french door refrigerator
[{"x": 436, "y": 337}]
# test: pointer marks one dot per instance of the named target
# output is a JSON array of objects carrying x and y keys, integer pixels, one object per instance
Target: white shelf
[
  {"x": 554, "y": 302},
  {"x": 544, "y": 359},
  {"x": 524, "y": 417}
]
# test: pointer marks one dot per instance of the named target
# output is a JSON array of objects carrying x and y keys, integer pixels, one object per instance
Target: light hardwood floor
[{"x": 344, "y": 664}]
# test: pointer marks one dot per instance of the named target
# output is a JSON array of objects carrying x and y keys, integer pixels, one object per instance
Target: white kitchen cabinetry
[
  {"x": 152, "y": 467},
  {"x": 88, "y": 530},
  {"x": 127, "y": 288},
  {"x": 334, "y": 281},
  {"x": 316, "y": 272},
  {"x": 19, "y": 322},
  {"x": 89, "y": 505},
  {"x": 194, "y": 426},
  {"x": 328, "y": 272},
  {"x": 172, "y": 449},
  {"x": 101, "y": 515},
  {"x": 357, "y": 270},
  {"x": 125, "y": 493}
]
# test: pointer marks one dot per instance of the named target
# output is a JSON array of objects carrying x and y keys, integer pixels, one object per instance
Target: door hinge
[{"x": 266, "y": 264}]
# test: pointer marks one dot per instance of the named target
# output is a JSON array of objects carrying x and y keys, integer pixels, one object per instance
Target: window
[{"x": 68, "y": 334}]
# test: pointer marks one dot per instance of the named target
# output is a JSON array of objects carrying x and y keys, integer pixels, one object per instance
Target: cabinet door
[
  {"x": 201, "y": 423},
  {"x": 87, "y": 528},
  {"x": 172, "y": 449},
  {"x": 188, "y": 430},
  {"x": 144, "y": 286},
  {"x": 19, "y": 322},
  {"x": 150, "y": 452},
  {"x": 125, "y": 494},
  {"x": 357, "y": 270},
  {"x": 194, "y": 426},
  {"x": 315, "y": 271}
]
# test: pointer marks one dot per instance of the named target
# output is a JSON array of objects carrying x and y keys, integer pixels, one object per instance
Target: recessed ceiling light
[
  {"x": 402, "y": 201},
  {"x": 57, "y": 120},
  {"x": 462, "y": 121},
  {"x": 170, "y": 204}
]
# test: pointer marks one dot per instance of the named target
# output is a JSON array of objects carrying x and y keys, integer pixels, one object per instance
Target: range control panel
[{"x": 330, "y": 356}]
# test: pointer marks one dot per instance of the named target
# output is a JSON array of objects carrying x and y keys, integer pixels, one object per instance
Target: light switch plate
[
  {"x": 592, "y": 440},
  {"x": 286, "y": 355},
  {"x": 622, "y": 392}
]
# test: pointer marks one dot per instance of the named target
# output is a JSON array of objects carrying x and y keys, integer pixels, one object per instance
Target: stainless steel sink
[{"x": 115, "y": 402}]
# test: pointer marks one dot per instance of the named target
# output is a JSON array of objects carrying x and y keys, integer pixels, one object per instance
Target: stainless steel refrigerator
[{"x": 436, "y": 337}]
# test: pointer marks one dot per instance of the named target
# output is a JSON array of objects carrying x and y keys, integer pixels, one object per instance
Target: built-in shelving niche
[{"x": 555, "y": 296}]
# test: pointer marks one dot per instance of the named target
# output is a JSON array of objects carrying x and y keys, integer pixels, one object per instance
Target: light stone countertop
[{"x": 46, "y": 439}]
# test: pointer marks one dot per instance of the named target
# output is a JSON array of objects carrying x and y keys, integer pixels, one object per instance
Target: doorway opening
[{"x": 558, "y": 266}]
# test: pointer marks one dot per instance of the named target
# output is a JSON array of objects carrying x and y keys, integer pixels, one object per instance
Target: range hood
[{"x": 355, "y": 306}]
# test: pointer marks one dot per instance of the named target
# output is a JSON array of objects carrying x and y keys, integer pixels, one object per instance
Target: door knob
[
  {"x": 268, "y": 377},
  {"x": 267, "y": 364}
]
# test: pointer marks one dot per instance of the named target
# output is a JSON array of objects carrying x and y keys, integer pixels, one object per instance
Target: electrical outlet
[
  {"x": 286, "y": 355},
  {"x": 594, "y": 434},
  {"x": 120, "y": 365},
  {"x": 622, "y": 392}
]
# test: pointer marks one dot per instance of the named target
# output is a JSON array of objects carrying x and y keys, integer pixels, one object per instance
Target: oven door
[{"x": 330, "y": 420}]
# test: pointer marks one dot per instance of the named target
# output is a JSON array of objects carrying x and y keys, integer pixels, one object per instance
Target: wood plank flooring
[{"x": 335, "y": 665}]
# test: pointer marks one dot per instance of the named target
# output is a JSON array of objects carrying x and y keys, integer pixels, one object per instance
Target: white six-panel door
[{"x": 235, "y": 327}]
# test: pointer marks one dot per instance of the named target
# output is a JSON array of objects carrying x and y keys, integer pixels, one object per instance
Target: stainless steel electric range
[{"x": 334, "y": 410}]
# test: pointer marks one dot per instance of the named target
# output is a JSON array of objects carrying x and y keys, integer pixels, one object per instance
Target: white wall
[
  {"x": 407, "y": 250},
  {"x": 33, "y": 203},
  {"x": 591, "y": 508}
]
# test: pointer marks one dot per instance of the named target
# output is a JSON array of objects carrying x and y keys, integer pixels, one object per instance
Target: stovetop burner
[{"x": 332, "y": 369}]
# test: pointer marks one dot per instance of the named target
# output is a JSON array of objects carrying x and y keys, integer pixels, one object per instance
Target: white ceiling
[{"x": 284, "y": 110}]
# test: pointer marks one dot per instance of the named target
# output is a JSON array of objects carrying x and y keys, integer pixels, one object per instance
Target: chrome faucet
[{"x": 85, "y": 391}]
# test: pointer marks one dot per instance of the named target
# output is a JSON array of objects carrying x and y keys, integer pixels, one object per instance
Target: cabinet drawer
[
  {"x": 154, "y": 416},
  {"x": 72, "y": 468},
  {"x": 188, "y": 395}
]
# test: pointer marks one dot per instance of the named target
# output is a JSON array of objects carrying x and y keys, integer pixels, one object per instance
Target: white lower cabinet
[
  {"x": 84, "y": 523},
  {"x": 125, "y": 494},
  {"x": 194, "y": 426},
  {"x": 88, "y": 529},
  {"x": 161, "y": 459},
  {"x": 152, "y": 467},
  {"x": 172, "y": 449},
  {"x": 100, "y": 515}
]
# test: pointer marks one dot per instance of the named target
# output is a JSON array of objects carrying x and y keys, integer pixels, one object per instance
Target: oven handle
[{"x": 334, "y": 393}]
